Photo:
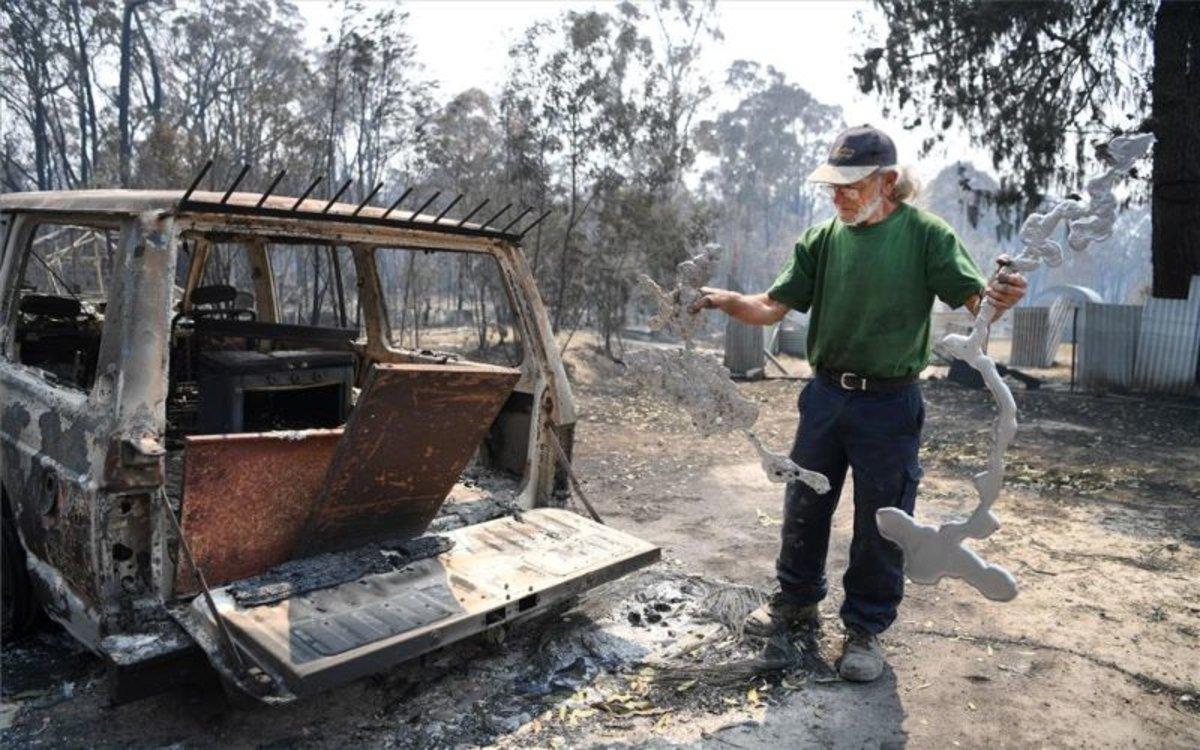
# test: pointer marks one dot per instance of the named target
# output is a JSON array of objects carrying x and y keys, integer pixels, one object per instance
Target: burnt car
[{"x": 298, "y": 441}]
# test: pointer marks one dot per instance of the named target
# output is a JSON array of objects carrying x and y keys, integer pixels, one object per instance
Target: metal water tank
[
  {"x": 793, "y": 341},
  {"x": 744, "y": 349}
]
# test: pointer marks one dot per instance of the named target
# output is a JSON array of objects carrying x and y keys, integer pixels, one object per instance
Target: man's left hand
[{"x": 1007, "y": 287}]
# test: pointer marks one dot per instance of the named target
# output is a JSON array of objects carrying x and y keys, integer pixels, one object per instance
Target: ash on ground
[
  {"x": 658, "y": 647},
  {"x": 658, "y": 652}
]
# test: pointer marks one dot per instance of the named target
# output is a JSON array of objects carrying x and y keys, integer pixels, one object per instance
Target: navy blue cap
[{"x": 856, "y": 154}]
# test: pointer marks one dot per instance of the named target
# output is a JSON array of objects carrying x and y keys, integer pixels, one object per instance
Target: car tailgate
[{"x": 495, "y": 572}]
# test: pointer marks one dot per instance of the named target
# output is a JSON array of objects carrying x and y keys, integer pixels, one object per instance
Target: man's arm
[{"x": 756, "y": 309}]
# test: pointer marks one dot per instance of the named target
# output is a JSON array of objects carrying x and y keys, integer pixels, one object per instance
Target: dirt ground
[{"x": 1101, "y": 525}]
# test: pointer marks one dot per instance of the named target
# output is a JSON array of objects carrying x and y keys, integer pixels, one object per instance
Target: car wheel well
[{"x": 19, "y": 607}]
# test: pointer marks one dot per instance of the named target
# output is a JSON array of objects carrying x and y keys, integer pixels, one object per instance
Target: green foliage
[
  {"x": 1030, "y": 81},
  {"x": 765, "y": 147}
]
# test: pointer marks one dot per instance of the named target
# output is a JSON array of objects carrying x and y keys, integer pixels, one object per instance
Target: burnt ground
[{"x": 1101, "y": 525}]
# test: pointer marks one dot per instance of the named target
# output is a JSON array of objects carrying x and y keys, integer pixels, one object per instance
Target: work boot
[
  {"x": 778, "y": 615},
  {"x": 862, "y": 656}
]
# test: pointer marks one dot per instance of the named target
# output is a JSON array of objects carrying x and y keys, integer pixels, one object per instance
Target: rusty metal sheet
[
  {"x": 246, "y": 498},
  {"x": 497, "y": 572},
  {"x": 413, "y": 431}
]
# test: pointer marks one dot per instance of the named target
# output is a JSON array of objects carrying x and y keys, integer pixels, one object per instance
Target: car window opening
[{"x": 61, "y": 299}]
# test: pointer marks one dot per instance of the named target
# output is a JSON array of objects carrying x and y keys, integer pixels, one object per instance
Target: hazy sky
[{"x": 464, "y": 43}]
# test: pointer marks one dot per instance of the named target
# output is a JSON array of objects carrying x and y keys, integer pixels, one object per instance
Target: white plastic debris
[{"x": 931, "y": 553}]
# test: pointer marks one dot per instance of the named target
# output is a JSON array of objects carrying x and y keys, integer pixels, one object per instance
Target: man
[{"x": 869, "y": 278}]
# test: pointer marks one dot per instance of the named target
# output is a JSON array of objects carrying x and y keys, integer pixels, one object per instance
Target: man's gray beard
[{"x": 866, "y": 211}]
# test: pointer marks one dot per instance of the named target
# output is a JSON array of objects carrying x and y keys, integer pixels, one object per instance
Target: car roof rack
[{"x": 300, "y": 210}]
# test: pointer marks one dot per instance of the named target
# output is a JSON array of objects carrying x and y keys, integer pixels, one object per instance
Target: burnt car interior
[
  {"x": 265, "y": 335},
  {"x": 236, "y": 368},
  {"x": 61, "y": 299},
  {"x": 268, "y": 354}
]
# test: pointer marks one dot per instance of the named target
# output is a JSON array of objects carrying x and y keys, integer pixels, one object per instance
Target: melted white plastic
[
  {"x": 698, "y": 383},
  {"x": 931, "y": 553}
]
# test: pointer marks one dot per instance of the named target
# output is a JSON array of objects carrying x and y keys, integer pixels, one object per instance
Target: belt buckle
[{"x": 862, "y": 382}]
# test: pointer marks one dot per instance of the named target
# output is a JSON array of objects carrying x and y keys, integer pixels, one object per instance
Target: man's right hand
[{"x": 712, "y": 298}]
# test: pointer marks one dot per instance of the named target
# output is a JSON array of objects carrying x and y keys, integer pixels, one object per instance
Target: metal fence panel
[
  {"x": 1030, "y": 328},
  {"x": 1061, "y": 313},
  {"x": 1108, "y": 342},
  {"x": 1169, "y": 343}
]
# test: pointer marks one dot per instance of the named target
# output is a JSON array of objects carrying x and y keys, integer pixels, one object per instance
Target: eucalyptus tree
[
  {"x": 1034, "y": 81},
  {"x": 370, "y": 103},
  {"x": 237, "y": 75},
  {"x": 764, "y": 147},
  {"x": 51, "y": 105},
  {"x": 568, "y": 89}
]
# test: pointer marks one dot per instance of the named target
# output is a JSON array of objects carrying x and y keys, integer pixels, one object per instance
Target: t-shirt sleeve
[
  {"x": 951, "y": 272},
  {"x": 794, "y": 285}
]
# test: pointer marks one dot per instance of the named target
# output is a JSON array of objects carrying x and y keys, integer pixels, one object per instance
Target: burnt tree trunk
[
  {"x": 84, "y": 104},
  {"x": 1175, "y": 210},
  {"x": 124, "y": 136}
]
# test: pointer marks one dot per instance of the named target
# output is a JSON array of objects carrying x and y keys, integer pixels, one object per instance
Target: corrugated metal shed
[
  {"x": 1169, "y": 343},
  {"x": 744, "y": 349},
  {"x": 1030, "y": 328},
  {"x": 1108, "y": 344}
]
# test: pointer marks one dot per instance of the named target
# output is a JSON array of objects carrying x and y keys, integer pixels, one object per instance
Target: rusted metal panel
[
  {"x": 496, "y": 572},
  {"x": 246, "y": 498},
  {"x": 413, "y": 431},
  {"x": 1168, "y": 344}
]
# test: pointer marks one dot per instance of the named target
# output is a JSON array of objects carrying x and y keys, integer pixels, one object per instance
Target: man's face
[{"x": 857, "y": 201}]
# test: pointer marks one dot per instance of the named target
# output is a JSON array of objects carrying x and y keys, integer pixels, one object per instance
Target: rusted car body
[{"x": 301, "y": 488}]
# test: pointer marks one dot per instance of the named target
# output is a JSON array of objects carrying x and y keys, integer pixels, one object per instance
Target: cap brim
[{"x": 834, "y": 175}]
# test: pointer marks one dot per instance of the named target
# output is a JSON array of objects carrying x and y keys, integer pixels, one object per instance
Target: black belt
[{"x": 851, "y": 382}]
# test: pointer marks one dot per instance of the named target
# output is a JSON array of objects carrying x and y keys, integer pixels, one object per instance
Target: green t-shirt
[{"x": 871, "y": 290}]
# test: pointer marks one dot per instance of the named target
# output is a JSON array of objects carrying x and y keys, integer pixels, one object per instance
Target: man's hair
[{"x": 907, "y": 186}]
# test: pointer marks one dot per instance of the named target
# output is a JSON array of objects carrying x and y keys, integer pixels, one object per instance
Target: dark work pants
[{"x": 876, "y": 435}]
